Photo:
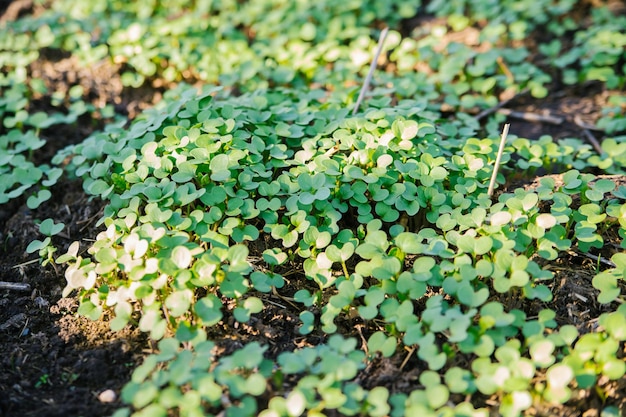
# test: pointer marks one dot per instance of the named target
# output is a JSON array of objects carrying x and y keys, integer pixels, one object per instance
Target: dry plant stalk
[
  {"x": 368, "y": 78},
  {"x": 531, "y": 117},
  {"x": 14, "y": 286},
  {"x": 496, "y": 166},
  {"x": 588, "y": 135},
  {"x": 500, "y": 105}
]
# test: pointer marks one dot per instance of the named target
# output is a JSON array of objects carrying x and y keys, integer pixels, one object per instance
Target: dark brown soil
[{"x": 55, "y": 363}]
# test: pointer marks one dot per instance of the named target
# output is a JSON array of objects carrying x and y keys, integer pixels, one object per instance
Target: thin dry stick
[
  {"x": 368, "y": 79},
  {"x": 531, "y": 117},
  {"x": 579, "y": 122},
  {"x": 496, "y": 166},
  {"x": 277, "y": 304},
  {"x": 501, "y": 104},
  {"x": 359, "y": 328},
  {"x": 588, "y": 135},
  {"x": 15, "y": 286},
  {"x": 594, "y": 257},
  {"x": 24, "y": 328},
  {"x": 410, "y": 352},
  {"x": 32, "y": 261}
]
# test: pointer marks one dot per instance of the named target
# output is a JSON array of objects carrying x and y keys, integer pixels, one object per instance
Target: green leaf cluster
[{"x": 378, "y": 216}]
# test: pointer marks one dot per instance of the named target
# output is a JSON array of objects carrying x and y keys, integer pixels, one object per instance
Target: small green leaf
[
  {"x": 49, "y": 228},
  {"x": 208, "y": 309},
  {"x": 559, "y": 376},
  {"x": 219, "y": 167},
  {"x": 606, "y": 282},
  {"x": 35, "y": 200},
  {"x": 437, "y": 395},
  {"x": 380, "y": 342},
  {"x": 37, "y": 245},
  {"x": 251, "y": 305},
  {"x": 182, "y": 257},
  {"x": 614, "y": 368},
  {"x": 90, "y": 310},
  {"x": 308, "y": 322},
  {"x": 179, "y": 302}
]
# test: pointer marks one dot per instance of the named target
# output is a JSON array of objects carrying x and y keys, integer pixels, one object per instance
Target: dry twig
[
  {"x": 368, "y": 78},
  {"x": 410, "y": 351},
  {"x": 531, "y": 117},
  {"x": 496, "y": 166},
  {"x": 498, "y": 106},
  {"x": 593, "y": 257},
  {"x": 588, "y": 135},
  {"x": 366, "y": 83},
  {"x": 14, "y": 286},
  {"x": 32, "y": 261}
]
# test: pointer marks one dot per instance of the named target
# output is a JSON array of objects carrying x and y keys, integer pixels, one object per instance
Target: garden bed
[{"x": 317, "y": 253}]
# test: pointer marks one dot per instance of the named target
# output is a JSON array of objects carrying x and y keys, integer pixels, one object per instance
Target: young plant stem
[
  {"x": 345, "y": 269},
  {"x": 368, "y": 78},
  {"x": 496, "y": 166}
]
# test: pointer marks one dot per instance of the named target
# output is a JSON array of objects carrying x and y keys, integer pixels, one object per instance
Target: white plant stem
[
  {"x": 496, "y": 166},
  {"x": 368, "y": 78}
]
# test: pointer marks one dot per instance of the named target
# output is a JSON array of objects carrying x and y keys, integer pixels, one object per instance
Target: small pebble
[{"x": 107, "y": 396}]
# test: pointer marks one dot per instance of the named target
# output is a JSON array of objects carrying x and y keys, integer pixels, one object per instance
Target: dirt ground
[{"x": 55, "y": 363}]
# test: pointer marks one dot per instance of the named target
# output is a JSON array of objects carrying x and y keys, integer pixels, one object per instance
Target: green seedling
[{"x": 46, "y": 250}]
